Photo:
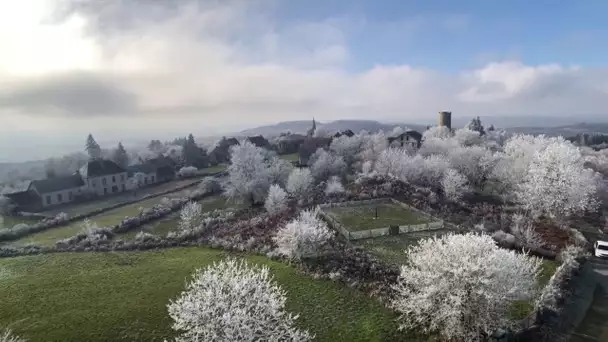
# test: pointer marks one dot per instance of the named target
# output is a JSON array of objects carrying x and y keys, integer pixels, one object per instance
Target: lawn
[
  {"x": 10, "y": 221},
  {"x": 363, "y": 217},
  {"x": 390, "y": 247},
  {"x": 170, "y": 223},
  {"x": 214, "y": 169},
  {"x": 594, "y": 327},
  {"x": 123, "y": 296},
  {"x": 108, "y": 219}
]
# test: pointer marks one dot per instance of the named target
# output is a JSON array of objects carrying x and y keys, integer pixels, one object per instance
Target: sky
[{"x": 142, "y": 69}]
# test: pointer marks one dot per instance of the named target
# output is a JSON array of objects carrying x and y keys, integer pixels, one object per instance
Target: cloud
[{"x": 226, "y": 62}]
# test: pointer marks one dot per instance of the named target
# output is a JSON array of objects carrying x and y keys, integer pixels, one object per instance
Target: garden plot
[
  {"x": 108, "y": 219},
  {"x": 123, "y": 296},
  {"x": 364, "y": 219}
]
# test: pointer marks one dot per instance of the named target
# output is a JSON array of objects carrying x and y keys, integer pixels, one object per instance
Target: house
[
  {"x": 289, "y": 143},
  {"x": 155, "y": 170},
  {"x": 409, "y": 138},
  {"x": 310, "y": 146},
  {"x": 165, "y": 168},
  {"x": 221, "y": 153},
  {"x": 103, "y": 177},
  {"x": 260, "y": 141},
  {"x": 148, "y": 170},
  {"x": 57, "y": 190},
  {"x": 25, "y": 200}
]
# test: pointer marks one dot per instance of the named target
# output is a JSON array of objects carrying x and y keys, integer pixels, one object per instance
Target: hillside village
[{"x": 448, "y": 234}]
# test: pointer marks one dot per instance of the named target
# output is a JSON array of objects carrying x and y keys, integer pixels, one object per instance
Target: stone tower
[{"x": 445, "y": 119}]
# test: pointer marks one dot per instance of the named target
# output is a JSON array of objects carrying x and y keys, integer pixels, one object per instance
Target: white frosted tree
[
  {"x": 372, "y": 146},
  {"x": 462, "y": 286},
  {"x": 348, "y": 148},
  {"x": 278, "y": 170},
  {"x": 326, "y": 164},
  {"x": 233, "y": 301},
  {"x": 190, "y": 216},
  {"x": 334, "y": 186},
  {"x": 441, "y": 132},
  {"x": 276, "y": 201},
  {"x": 303, "y": 237},
  {"x": 300, "y": 183},
  {"x": 248, "y": 173},
  {"x": 454, "y": 185},
  {"x": 557, "y": 184}
]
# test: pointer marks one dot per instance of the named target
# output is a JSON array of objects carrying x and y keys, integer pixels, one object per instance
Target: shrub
[
  {"x": 304, "y": 236},
  {"x": 187, "y": 171},
  {"x": 299, "y": 183},
  {"x": 189, "y": 216},
  {"x": 276, "y": 201},
  {"x": 334, "y": 186},
  {"x": 523, "y": 229},
  {"x": 210, "y": 185},
  {"x": 232, "y": 301},
  {"x": 461, "y": 286}
]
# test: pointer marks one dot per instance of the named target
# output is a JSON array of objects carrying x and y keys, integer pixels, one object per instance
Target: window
[
  {"x": 124, "y": 188},
  {"x": 122, "y": 178},
  {"x": 114, "y": 188},
  {"x": 105, "y": 191},
  {"x": 113, "y": 179},
  {"x": 70, "y": 196},
  {"x": 48, "y": 199},
  {"x": 602, "y": 247},
  {"x": 104, "y": 181},
  {"x": 152, "y": 179},
  {"x": 59, "y": 198}
]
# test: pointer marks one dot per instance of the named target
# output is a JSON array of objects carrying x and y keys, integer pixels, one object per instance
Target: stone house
[
  {"x": 103, "y": 177},
  {"x": 260, "y": 141},
  {"x": 411, "y": 139},
  {"x": 156, "y": 170}
]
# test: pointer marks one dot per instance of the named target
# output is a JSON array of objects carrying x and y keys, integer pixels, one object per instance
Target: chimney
[{"x": 445, "y": 119}]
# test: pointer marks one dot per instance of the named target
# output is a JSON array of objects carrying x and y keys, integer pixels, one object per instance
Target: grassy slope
[
  {"x": 107, "y": 219},
  {"x": 10, "y": 221},
  {"x": 123, "y": 296},
  {"x": 363, "y": 217}
]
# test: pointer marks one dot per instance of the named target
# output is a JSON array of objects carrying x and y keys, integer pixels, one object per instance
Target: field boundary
[
  {"x": 335, "y": 223},
  {"x": 43, "y": 225}
]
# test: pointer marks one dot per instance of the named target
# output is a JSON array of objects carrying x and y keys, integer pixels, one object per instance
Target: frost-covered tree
[
  {"x": 190, "y": 216},
  {"x": 334, "y": 186},
  {"x": 555, "y": 183},
  {"x": 468, "y": 137},
  {"x": 454, "y": 185},
  {"x": 278, "y": 170},
  {"x": 462, "y": 286},
  {"x": 326, "y": 164},
  {"x": 348, "y": 148},
  {"x": 8, "y": 336},
  {"x": 233, "y": 301},
  {"x": 249, "y": 174},
  {"x": 92, "y": 148},
  {"x": 276, "y": 201},
  {"x": 372, "y": 146},
  {"x": 440, "y": 132},
  {"x": 476, "y": 163},
  {"x": 120, "y": 156},
  {"x": 187, "y": 171},
  {"x": 303, "y": 237},
  {"x": 300, "y": 183},
  {"x": 523, "y": 229},
  {"x": 137, "y": 180}
]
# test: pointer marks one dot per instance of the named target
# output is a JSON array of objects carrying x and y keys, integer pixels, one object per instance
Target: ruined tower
[{"x": 445, "y": 119}]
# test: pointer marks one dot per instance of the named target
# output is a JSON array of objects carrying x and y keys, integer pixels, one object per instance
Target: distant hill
[
  {"x": 566, "y": 130},
  {"x": 302, "y": 127}
]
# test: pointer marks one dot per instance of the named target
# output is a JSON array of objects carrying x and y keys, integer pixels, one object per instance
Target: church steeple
[{"x": 311, "y": 131}]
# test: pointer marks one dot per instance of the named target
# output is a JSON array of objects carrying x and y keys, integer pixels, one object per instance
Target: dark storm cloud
[{"x": 77, "y": 93}]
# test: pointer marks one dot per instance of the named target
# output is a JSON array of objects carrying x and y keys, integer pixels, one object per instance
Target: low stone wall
[{"x": 370, "y": 233}]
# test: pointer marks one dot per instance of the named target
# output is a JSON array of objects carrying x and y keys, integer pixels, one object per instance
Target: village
[{"x": 394, "y": 227}]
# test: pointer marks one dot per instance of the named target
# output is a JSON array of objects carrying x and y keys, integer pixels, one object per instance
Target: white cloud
[{"x": 230, "y": 63}]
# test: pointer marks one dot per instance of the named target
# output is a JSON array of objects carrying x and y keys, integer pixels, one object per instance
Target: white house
[
  {"x": 104, "y": 177},
  {"x": 57, "y": 190}
]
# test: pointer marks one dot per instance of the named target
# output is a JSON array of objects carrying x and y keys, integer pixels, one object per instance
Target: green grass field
[
  {"x": 123, "y": 296},
  {"x": 363, "y": 217},
  {"x": 214, "y": 169},
  {"x": 10, "y": 221},
  {"x": 107, "y": 219},
  {"x": 170, "y": 223},
  {"x": 390, "y": 247}
]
